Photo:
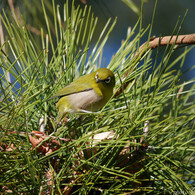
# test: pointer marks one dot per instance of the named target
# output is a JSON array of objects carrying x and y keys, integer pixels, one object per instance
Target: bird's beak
[{"x": 99, "y": 81}]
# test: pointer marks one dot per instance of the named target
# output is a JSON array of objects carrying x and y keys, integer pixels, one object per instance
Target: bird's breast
[{"x": 86, "y": 100}]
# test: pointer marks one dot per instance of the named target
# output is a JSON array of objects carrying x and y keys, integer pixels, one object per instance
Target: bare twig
[{"x": 168, "y": 40}]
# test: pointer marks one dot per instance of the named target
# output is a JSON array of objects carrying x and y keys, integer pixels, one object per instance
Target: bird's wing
[{"x": 72, "y": 89}]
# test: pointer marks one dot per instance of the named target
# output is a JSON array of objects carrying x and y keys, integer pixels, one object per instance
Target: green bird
[{"x": 87, "y": 94}]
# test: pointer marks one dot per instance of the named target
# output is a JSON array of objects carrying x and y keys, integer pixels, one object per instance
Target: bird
[{"x": 85, "y": 94}]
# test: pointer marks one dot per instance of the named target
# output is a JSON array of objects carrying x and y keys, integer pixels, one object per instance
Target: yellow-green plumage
[{"x": 87, "y": 93}]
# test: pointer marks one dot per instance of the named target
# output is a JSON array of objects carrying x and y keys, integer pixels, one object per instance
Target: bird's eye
[{"x": 107, "y": 80}]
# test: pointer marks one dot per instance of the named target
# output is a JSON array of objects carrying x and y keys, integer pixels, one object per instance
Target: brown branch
[
  {"x": 154, "y": 43},
  {"x": 163, "y": 41}
]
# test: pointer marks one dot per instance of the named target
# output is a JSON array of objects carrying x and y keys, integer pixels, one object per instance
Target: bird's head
[{"x": 106, "y": 77}]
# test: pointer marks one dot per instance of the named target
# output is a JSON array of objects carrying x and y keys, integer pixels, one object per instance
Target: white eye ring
[{"x": 107, "y": 80}]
